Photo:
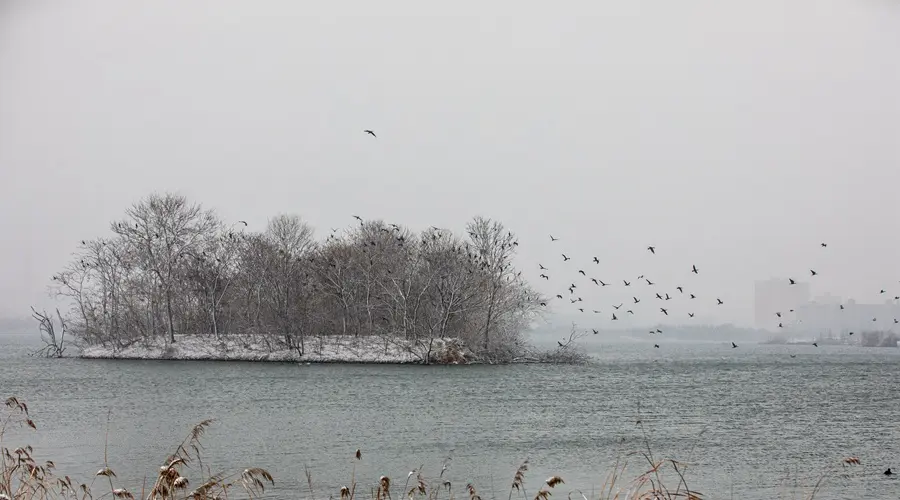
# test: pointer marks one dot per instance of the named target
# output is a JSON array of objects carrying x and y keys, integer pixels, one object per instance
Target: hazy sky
[{"x": 732, "y": 135}]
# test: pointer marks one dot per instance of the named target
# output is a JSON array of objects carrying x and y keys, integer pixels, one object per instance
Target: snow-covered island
[
  {"x": 172, "y": 280},
  {"x": 325, "y": 349}
]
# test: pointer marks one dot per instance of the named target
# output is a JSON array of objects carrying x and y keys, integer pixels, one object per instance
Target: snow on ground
[{"x": 326, "y": 349}]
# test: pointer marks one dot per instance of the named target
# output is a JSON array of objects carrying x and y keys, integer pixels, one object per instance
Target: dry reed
[{"x": 23, "y": 477}]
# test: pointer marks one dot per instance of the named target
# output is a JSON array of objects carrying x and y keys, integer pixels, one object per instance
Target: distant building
[
  {"x": 828, "y": 319},
  {"x": 777, "y": 295}
]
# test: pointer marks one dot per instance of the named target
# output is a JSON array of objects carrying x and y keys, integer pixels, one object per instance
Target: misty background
[{"x": 735, "y": 136}]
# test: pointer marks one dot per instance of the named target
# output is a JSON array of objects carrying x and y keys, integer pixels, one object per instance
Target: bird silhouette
[
  {"x": 693, "y": 296},
  {"x": 602, "y": 283},
  {"x": 558, "y": 296},
  {"x": 690, "y": 315},
  {"x": 595, "y": 281},
  {"x": 581, "y": 272},
  {"x": 614, "y": 318},
  {"x": 824, "y": 245},
  {"x": 595, "y": 331},
  {"x": 553, "y": 239},
  {"x": 719, "y": 301},
  {"x": 630, "y": 312},
  {"x": 370, "y": 133},
  {"x": 888, "y": 472},
  {"x": 792, "y": 282},
  {"x": 596, "y": 260},
  {"x": 543, "y": 268},
  {"x": 694, "y": 270},
  {"x": 656, "y": 346},
  {"x": 778, "y": 314},
  {"x": 358, "y": 218},
  {"x": 780, "y": 325},
  {"x": 658, "y": 296},
  {"x": 243, "y": 222},
  {"x": 679, "y": 289},
  {"x": 815, "y": 344},
  {"x": 733, "y": 345},
  {"x": 664, "y": 311},
  {"x": 545, "y": 276},
  {"x": 626, "y": 283},
  {"x": 636, "y": 300},
  {"x": 649, "y": 282},
  {"x": 812, "y": 272},
  {"x": 617, "y": 307},
  {"x": 565, "y": 258},
  {"x": 652, "y": 250}
]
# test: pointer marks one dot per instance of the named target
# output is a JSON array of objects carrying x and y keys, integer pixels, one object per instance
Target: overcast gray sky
[{"x": 734, "y": 135}]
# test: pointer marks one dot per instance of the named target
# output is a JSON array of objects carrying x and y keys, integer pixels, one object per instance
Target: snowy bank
[{"x": 326, "y": 349}]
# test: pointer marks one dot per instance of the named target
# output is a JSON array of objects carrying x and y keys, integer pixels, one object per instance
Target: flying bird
[
  {"x": 596, "y": 260},
  {"x": 664, "y": 311},
  {"x": 580, "y": 271},
  {"x": 543, "y": 268},
  {"x": 614, "y": 318},
  {"x": 553, "y": 239},
  {"x": 652, "y": 250},
  {"x": 649, "y": 282},
  {"x": 812, "y": 272},
  {"x": 679, "y": 289},
  {"x": 630, "y": 312},
  {"x": 693, "y": 296},
  {"x": 691, "y": 315},
  {"x": 778, "y": 314},
  {"x": 824, "y": 245},
  {"x": 636, "y": 300},
  {"x": 792, "y": 282},
  {"x": 617, "y": 307},
  {"x": 733, "y": 345},
  {"x": 370, "y": 133},
  {"x": 719, "y": 301},
  {"x": 358, "y": 218},
  {"x": 243, "y": 222},
  {"x": 627, "y": 283},
  {"x": 694, "y": 270},
  {"x": 565, "y": 258}
]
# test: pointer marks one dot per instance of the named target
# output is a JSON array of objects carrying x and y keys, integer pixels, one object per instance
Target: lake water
[{"x": 753, "y": 420}]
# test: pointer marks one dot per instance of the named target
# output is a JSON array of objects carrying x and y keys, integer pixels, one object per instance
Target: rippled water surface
[{"x": 753, "y": 421}]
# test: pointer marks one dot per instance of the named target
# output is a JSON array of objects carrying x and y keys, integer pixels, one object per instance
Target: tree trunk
[{"x": 171, "y": 319}]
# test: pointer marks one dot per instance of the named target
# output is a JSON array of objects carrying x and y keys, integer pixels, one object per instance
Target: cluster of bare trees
[{"x": 172, "y": 268}]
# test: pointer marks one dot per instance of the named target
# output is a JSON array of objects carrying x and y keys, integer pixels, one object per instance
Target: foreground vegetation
[
  {"x": 186, "y": 474},
  {"x": 172, "y": 267}
]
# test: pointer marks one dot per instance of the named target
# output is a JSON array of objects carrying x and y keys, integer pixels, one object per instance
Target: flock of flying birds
[{"x": 573, "y": 296}]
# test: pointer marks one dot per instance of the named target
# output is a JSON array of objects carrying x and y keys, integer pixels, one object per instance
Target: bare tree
[
  {"x": 165, "y": 229},
  {"x": 54, "y": 346}
]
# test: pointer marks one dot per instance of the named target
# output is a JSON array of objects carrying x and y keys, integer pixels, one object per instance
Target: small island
[{"x": 175, "y": 281}]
